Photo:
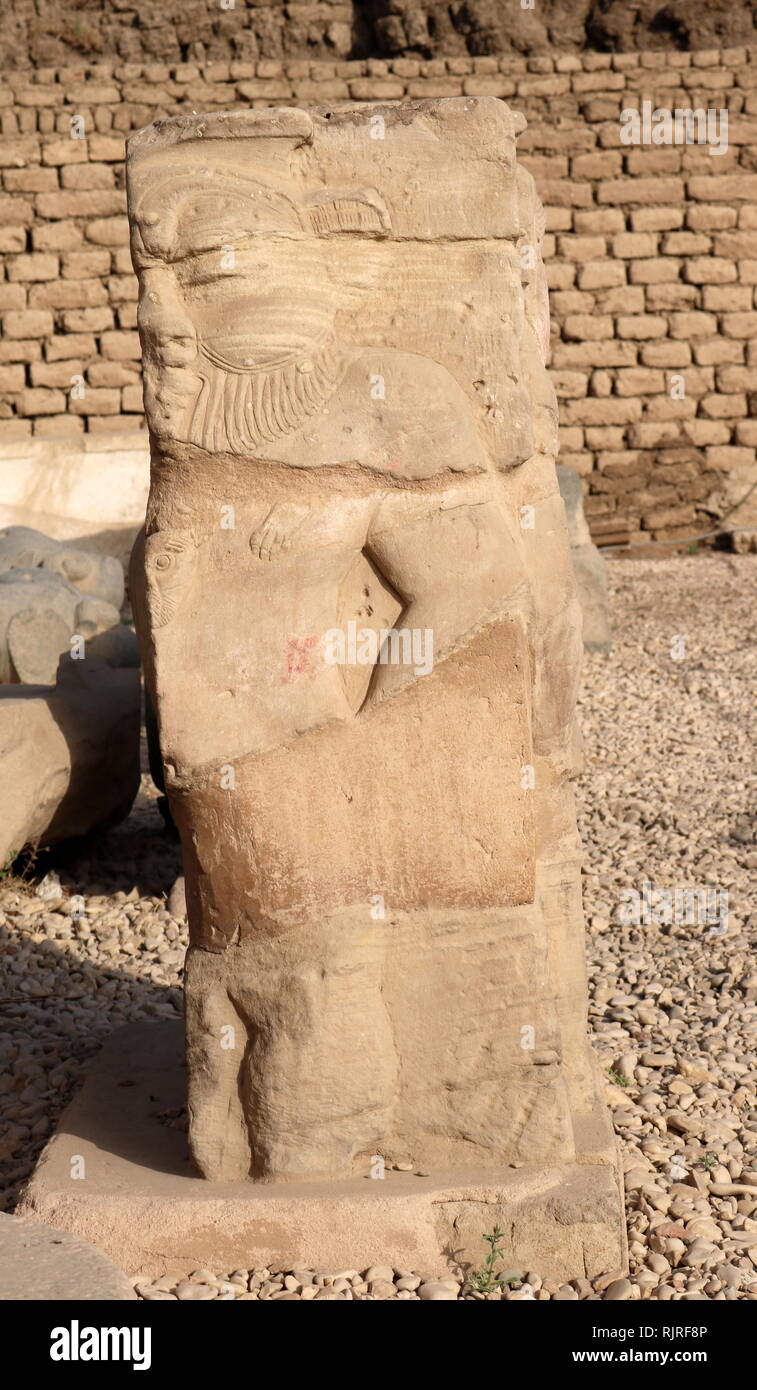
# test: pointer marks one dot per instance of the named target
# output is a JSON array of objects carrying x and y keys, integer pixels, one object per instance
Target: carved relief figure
[{"x": 345, "y": 386}]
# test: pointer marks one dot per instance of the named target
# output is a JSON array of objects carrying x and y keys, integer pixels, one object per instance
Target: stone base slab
[
  {"x": 38, "y": 1263},
  {"x": 139, "y": 1202}
]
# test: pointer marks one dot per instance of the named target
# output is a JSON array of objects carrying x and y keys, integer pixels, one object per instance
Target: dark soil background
[{"x": 43, "y": 33}]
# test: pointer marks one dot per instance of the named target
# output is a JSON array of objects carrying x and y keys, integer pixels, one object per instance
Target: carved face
[
  {"x": 168, "y": 573},
  {"x": 238, "y": 326}
]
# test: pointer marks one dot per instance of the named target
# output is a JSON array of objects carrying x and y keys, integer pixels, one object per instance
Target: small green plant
[
  {"x": 616, "y": 1078},
  {"x": 694, "y": 548},
  {"x": 6, "y": 868},
  {"x": 20, "y": 865},
  {"x": 484, "y": 1280},
  {"x": 708, "y": 1161}
]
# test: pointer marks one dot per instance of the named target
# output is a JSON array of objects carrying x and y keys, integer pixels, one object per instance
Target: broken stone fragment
[{"x": 69, "y": 755}]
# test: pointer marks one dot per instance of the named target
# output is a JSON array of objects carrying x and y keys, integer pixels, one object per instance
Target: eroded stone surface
[
  {"x": 51, "y": 593},
  {"x": 344, "y": 324},
  {"x": 21, "y": 547},
  {"x": 588, "y": 565},
  {"x": 38, "y": 1262},
  {"x": 69, "y": 754},
  {"x": 146, "y": 1209}
]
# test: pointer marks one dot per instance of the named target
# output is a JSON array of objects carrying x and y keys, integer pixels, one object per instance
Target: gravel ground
[{"x": 666, "y": 799}]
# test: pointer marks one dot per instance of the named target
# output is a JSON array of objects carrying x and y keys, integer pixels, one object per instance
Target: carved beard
[{"x": 238, "y": 409}]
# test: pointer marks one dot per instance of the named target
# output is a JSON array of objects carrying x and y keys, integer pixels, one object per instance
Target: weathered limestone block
[
  {"x": 362, "y": 637},
  {"x": 21, "y": 547},
  {"x": 588, "y": 565},
  {"x": 38, "y": 1262},
  {"x": 69, "y": 755},
  {"x": 51, "y": 592}
]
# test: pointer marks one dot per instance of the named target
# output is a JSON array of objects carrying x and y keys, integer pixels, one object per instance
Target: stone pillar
[{"x": 362, "y": 638}]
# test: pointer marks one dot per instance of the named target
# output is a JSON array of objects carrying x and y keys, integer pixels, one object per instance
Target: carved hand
[{"x": 277, "y": 531}]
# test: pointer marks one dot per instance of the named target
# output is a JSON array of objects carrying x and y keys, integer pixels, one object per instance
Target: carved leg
[
  {"x": 292, "y": 1063},
  {"x": 320, "y": 1075},
  {"x": 216, "y": 1042}
]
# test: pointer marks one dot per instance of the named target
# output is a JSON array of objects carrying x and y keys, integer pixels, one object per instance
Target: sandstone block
[
  {"x": 641, "y": 326},
  {"x": 64, "y": 427},
  {"x": 725, "y": 407},
  {"x": 596, "y": 275},
  {"x": 653, "y": 272},
  {"x": 12, "y": 296},
  {"x": 602, "y": 221},
  {"x": 82, "y": 265},
  {"x": 718, "y": 350},
  {"x": 740, "y": 325},
  {"x": 12, "y": 239},
  {"x": 656, "y": 219},
  {"x": 20, "y": 350},
  {"x": 666, "y": 354},
  {"x": 108, "y": 231},
  {"x": 726, "y": 188},
  {"x": 635, "y": 191},
  {"x": 728, "y": 298},
  {"x": 12, "y": 378},
  {"x": 55, "y": 373},
  {"x": 70, "y": 754},
  {"x": 97, "y": 401},
  {"x": 41, "y": 401},
  {"x": 67, "y": 345},
  {"x": 586, "y": 327},
  {"x": 729, "y": 457},
  {"x": 69, "y": 151},
  {"x": 86, "y": 320},
  {"x": 34, "y": 180},
  {"x": 68, "y": 294},
  {"x": 581, "y": 248},
  {"x": 41, "y": 1262},
  {"x": 709, "y": 270},
  {"x": 371, "y": 447},
  {"x": 95, "y": 203},
  {"x": 88, "y": 176},
  {"x": 57, "y": 236},
  {"x": 630, "y": 245},
  {"x": 31, "y": 323},
  {"x": 120, "y": 347},
  {"x": 685, "y": 244},
  {"x": 692, "y": 325}
]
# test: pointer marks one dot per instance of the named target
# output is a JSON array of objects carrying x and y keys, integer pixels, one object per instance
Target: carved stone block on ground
[
  {"x": 38, "y": 1262},
  {"x": 69, "y": 754},
  {"x": 145, "y": 1207}
]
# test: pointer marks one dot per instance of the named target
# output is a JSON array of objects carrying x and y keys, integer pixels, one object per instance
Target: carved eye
[{"x": 164, "y": 561}]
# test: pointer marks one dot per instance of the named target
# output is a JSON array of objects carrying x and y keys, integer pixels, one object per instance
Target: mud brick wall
[
  {"x": 651, "y": 252},
  {"x": 46, "y": 32}
]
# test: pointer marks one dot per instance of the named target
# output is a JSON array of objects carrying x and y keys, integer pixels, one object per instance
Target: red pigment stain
[{"x": 299, "y": 658}]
